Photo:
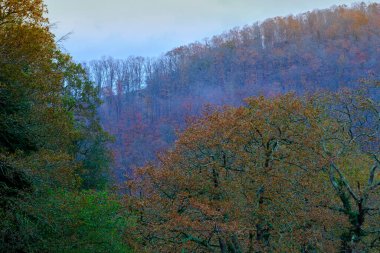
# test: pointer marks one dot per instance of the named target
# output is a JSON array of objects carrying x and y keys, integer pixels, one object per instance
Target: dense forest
[
  {"x": 262, "y": 139},
  {"x": 146, "y": 101}
]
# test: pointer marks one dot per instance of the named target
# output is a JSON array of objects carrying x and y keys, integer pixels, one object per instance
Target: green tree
[{"x": 51, "y": 145}]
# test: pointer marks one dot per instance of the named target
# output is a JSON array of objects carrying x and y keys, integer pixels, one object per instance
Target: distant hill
[{"x": 147, "y": 100}]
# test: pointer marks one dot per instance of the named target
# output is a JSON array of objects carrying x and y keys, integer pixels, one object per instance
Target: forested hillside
[
  {"x": 147, "y": 100},
  {"x": 268, "y": 139}
]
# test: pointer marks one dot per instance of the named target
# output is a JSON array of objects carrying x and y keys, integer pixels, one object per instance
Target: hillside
[
  {"x": 147, "y": 100},
  {"x": 263, "y": 139}
]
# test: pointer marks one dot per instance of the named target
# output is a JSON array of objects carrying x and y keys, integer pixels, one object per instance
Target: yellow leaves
[
  {"x": 352, "y": 165},
  {"x": 22, "y": 11},
  {"x": 27, "y": 56},
  {"x": 32, "y": 79}
]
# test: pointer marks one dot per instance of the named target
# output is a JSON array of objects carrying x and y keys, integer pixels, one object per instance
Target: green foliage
[
  {"x": 51, "y": 145},
  {"x": 80, "y": 100},
  {"x": 95, "y": 164},
  {"x": 64, "y": 221}
]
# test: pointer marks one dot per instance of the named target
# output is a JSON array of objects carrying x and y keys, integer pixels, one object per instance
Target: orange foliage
[{"x": 256, "y": 179}]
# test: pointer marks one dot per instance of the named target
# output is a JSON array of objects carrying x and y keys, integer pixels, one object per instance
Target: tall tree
[
  {"x": 51, "y": 142},
  {"x": 281, "y": 174}
]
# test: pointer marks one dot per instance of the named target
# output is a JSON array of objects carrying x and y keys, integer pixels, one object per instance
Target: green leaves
[
  {"x": 50, "y": 142},
  {"x": 82, "y": 222},
  {"x": 66, "y": 221}
]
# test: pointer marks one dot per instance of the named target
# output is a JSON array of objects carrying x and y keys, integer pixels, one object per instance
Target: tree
[
  {"x": 321, "y": 49},
  {"x": 50, "y": 139},
  {"x": 351, "y": 144},
  {"x": 287, "y": 173},
  {"x": 223, "y": 186}
]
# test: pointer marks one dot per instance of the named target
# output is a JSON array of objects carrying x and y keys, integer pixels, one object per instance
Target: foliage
[
  {"x": 51, "y": 145},
  {"x": 321, "y": 49},
  {"x": 64, "y": 221},
  {"x": 81, "y": 101},
  {"x": 286, "y": 174}
]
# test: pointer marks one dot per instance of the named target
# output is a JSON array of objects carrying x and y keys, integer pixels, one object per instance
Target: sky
[{"x": 121, "y": 28}]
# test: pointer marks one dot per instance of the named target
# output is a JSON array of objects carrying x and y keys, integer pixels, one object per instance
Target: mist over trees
[
  {"x": 147, "y": 100},
  {"x": 263, "y": 139}
]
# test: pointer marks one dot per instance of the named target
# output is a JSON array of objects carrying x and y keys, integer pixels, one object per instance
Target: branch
[
  {"x": 372, "y": 175},
  {"x": 373, "y": 187},
  {"x": 348, "y": 187},
  {"x": 197, "y": 240}
]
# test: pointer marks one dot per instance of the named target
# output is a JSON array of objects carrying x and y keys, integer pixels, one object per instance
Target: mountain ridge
[{"x": 147, "y": 99}]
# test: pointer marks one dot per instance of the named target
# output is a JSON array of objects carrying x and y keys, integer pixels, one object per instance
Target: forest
[
  {"x": 146, "y": 101},
  {"x": 265, "y": 138}
]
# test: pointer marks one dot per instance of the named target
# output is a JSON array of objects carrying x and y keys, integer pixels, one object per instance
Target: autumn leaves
[{"x": 283, "y": 174}]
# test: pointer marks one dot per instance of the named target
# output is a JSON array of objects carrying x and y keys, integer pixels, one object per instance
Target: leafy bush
[{"x": 63, "y": 221}]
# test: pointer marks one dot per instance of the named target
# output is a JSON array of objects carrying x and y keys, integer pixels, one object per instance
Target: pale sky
[{"x": 120, "y": 28}]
